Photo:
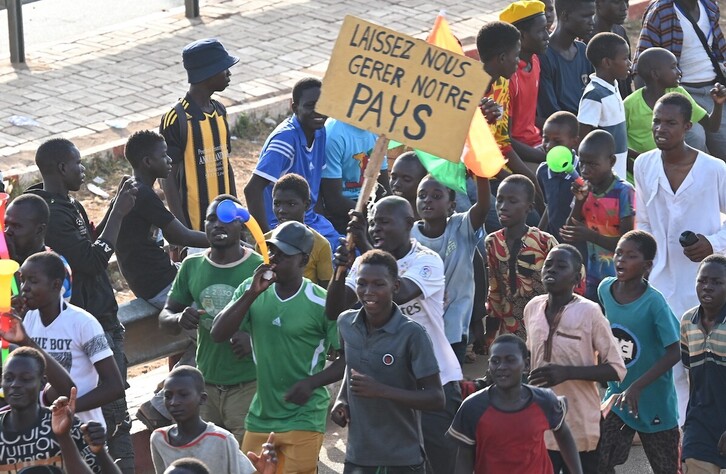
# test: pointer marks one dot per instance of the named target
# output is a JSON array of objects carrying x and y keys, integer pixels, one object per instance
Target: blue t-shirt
[
  {"x": 286, "y": 151},
  {"x": 643, "y": 330},
  {"x": 557, "y": 189},
  {"x": 347, "y": 151},
  {"x": 561, "y": 82}
]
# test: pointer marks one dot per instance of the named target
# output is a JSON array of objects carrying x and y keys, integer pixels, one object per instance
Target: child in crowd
[
  {"x": 564, "y": 67},
  {"x": 526, "y": 411},
  {"x": 529, "y": 18},
  {"x": 609, "y": 17},
  {"x": 382, "y": 401},
  {"x": 658, "y": 68},
  {"x": 35, "y": 437},
  {"x": 549, "y": 13},
  {"x": 139, "y": 247},
  {"x": 647, "y": 334},
  {"x": 406, "y": 173},
  {"x": 703, "y": 335},
  {"x": 70, "y": 334},
  {"x": 187, "y": 466},
  {"x": 560, "y": 129},
  {"x": 515, "y": 255},
  {"x": 603, "y": 210},
  {"x": 191, "y": 436},
  {"x": 454, "y": 237},
  {"x": 290, "y": 200},
  {"x": 572, "y": 349},
  {"x": 601, "y": 105},
  {"x": 498, "y": 44}
]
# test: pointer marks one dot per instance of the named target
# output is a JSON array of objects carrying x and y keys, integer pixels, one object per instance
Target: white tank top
[{"x": 694, "y": 61}]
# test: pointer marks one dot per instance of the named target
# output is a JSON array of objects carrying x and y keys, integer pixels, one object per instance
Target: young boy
[
  {"x": 658, "y": 68},
  {"x": 529, "y": 18},
  {"x": 139, "y": 247},
  {"x": 603, "y": 210},
  {"x": 69, "y": 334},
  {"x": 191, "y": 436},
  {"x": 564, "y": 67},
  {"x": 515, "y": 255},
  {"x": 290, "y": 200},
  {"x": 560, "y": 129},
  {"x": 406, "y": 174},
  {"x": 382, "y": 400},
  {"x": 609, "y": 17},
  {"x": 197, "y": 133},
  {"x": 527, "y": 412},
  {"x": 703, "y": 331},
  {"x": 601, "y": 105},
  {"x": 498, "y": 44},
  {"x": 420, "y": 297},
  {"x": 187, "y": 466},
  {"x": 454, "y": 237},
  {"x": 572, "y": 349},
  {"x": 549, "y": 14},
  {"x": 647, "y": 334},
  {"x": 285, "y": 316},
  {"x": 297, "y": 145},
  {"x": 51, "y": 439}
]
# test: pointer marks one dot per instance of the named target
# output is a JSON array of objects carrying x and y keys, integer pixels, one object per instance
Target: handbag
[{"x": 718, "y": 68}]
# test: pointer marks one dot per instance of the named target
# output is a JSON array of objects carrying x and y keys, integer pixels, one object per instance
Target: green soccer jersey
[
  {"x": 290, "y": 339},
  {"x": 210, "y": 286}
]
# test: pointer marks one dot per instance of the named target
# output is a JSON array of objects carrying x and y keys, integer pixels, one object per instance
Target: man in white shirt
[
  {"x": 420, "y": 297},
  {"x": 679, "y": 189}
]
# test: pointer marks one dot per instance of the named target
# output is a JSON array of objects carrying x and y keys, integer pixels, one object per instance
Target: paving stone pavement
[{"x": 133, "y": 71}]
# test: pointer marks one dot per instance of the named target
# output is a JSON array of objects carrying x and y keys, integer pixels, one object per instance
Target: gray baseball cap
[{"x": 292, "y": 238}]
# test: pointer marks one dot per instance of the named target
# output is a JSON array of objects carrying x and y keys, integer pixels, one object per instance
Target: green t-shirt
[
  {"x": 210, "y": 286},
  {"x": 639, "y": 119},
  {"x": 290, "y": 340}
]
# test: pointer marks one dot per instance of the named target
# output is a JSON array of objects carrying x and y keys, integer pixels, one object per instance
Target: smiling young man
[
  {"x": 284, "y": 314},
  {"x": 420, "y": 297},
  {"x": 679, "y": 189},
  {"x": 297, "y": 145}
]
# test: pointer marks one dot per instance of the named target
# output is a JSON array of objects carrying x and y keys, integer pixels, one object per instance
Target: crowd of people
[{"x": 597, "y": 292}]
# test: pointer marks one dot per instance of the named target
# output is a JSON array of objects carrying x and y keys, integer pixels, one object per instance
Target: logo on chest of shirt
[
  {"x": 388, "y": 359},
  {"x": 277, "y": 322},
  {"x": 628, "y": 344}
]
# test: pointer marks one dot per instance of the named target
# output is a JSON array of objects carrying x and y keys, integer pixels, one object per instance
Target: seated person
[
  {"x": 191, "y": 436},
  {"x": 139, "y": 247}
]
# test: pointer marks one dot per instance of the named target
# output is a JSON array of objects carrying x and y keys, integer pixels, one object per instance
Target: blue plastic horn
[{"x": 228, "y": 210}]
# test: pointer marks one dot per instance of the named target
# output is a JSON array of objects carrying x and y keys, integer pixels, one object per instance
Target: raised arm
[
  {"x": 255, "y": 203},
  {"x": 176, "y": 233},
  {"x": 228, "y": 321}
]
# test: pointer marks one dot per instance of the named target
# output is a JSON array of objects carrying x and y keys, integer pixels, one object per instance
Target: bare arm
[
  {"x": 552, "y": 375},
  {"x": 177, "y": 233},
  {"x": 528, "y": 153},
  {"x": 110, "y": 386},
  {"x": 428, "y": 396},
  {"x": 255, "y": 203},
  {"x": 568, "y": 449},
  {"x": 331, "y": 189},
  {"x": 631, "y": 396},
  {"x": 173, "y": 196},
  {"x": 480, "y": 209}
]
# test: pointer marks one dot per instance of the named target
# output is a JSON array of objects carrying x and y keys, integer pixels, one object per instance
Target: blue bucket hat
[{"x": 204, "y": 58}]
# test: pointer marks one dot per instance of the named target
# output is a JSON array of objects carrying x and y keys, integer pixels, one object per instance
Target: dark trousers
[
  {"x": 350, "y": 468},
  {"x": 440, "y": 450},
  {"x": 118, "y": 421},
  {"x": 588, "y": 459}
]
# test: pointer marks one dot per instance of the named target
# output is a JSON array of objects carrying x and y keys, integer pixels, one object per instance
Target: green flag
[{"x": 451, "y": 175}]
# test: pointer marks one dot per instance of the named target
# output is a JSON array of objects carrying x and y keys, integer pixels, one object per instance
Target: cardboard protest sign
[{"x": 395, "y": 85}]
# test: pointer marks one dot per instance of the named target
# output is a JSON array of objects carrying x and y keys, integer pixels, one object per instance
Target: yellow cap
[{"x": 522, "y": 10}]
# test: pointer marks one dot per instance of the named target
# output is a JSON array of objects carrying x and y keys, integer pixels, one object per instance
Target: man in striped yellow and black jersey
[{"x": 197, "y": 135}]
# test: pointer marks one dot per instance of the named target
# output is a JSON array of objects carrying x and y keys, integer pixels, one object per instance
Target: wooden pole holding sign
[{"x": 370, "y": 179}]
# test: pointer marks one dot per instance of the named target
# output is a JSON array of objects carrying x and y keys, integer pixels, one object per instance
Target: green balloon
[{"x": 559, "y": 159}]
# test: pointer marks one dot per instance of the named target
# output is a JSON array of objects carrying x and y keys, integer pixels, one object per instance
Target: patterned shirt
[
  {"x": 513, "y": 282},
  {"x": 499, "y": 92},
  {"x": 662, "y": 28}
]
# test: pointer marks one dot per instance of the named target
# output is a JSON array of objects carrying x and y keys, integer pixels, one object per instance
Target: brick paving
[{"x": 133, "y": 71}]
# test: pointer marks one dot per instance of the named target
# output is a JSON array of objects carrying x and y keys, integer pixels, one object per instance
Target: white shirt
[
  {"x": 696, "y": 206},
  {"x": 76, "y": 340},
  {"x": 425, "y": 268},
  {"x": 694, "y": 62}
]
